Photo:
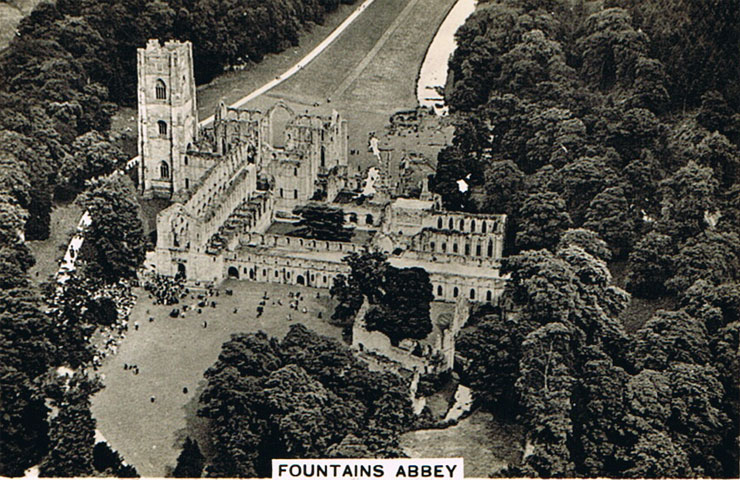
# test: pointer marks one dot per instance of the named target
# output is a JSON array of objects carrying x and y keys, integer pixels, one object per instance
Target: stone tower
[{"x": 168, "y": 119}]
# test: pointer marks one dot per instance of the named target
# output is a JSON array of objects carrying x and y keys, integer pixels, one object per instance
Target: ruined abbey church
[{"x": 234, "y": 184}]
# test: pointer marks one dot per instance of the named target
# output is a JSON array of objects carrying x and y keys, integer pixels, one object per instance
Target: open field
[
  {"x": 47, "y": 252},
  {"x": 486, "y": 444},
  {"x": 173, "y": 353}
]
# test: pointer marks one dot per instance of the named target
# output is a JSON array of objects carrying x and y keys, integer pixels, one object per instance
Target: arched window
[
  {"x": 432, "y": 245},
  {"x": 439, "y": 290},
  {"x": 490, "y": 248},
  {"x": 467, "y": 249},
  {"x": 164, "y": 170},
  {"x": 477, "y": 250},
  {"x": 323, "y": 153},
  {"x": 368, "y": 219},
  {"x": 295, "y": 172},
  {"x": 455, "y": 292},
  {"x": 454, "y": 247},
  {"x": 472, "y": 294},
  {"x": 450, "y": 224},
  {"x": 439, "y": 223},
  {"x": 295, "y": 194},
  {"x": 162, "y": 125},
  {"x": 281, "y": 193},
  {"x": 186, "y": 160},
  {"x": 160, "y": 90},
  {"x": 488, "y": 296},
  {"x": 483, "y": 227},
  {"x": 187, "y": 183},
  {"x": 462, "y": 224},
  {"x": 444, "y": 248},
  {"x": 472, "y": 225}
]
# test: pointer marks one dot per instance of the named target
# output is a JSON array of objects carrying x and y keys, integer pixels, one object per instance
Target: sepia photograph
[{"x": 370, "y": 239}]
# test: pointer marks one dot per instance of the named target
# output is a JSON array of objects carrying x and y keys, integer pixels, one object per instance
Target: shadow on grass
[{"x": 197, "y": 428}]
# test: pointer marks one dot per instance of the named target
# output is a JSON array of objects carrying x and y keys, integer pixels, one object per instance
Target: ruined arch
[
  {"x": 233, "y": 272},
  {"x": 279, "y": 116}
]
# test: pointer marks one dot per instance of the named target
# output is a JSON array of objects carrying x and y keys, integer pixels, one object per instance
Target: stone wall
[
  {"x": 296, "y": 244},
  {"x": 437, "y": 356}
]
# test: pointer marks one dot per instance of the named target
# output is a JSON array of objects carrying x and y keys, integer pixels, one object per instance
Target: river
[{"x": 433, "y": 73}]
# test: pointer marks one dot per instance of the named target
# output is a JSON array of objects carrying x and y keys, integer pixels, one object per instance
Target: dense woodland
[
  {"x": 609, "y": 135},
  {"x": 306, "y": 396}
]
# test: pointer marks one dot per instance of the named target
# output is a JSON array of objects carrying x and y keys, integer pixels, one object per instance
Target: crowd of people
[
  {"x": 165, "y": 290},
  {"x": 111, "y": 336}
]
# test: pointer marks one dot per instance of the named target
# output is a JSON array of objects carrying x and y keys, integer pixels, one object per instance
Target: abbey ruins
[{"x": 232, "y": 183}]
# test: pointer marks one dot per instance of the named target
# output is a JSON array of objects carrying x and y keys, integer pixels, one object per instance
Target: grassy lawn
[
  {"x": 486, "y": 444},
  {"x": 174, "y": 353},
  {"x": 47, "y": 252}
]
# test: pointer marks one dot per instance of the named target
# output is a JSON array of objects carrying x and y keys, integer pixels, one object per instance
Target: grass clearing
[
  {"x": 64, "y": 218},
  {"x": 486, "y": 443},
  {"x": 173, "y": 353}
]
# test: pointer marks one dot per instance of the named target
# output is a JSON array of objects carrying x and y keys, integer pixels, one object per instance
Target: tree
[
  {"x": 716, "y": 151},
  {"x": 349, "y": 300},
  {"x": 108, "y": 462},
  {"x": 545, "y": 386},
  {"x": 598, "y": 418},
  {"x": 588, "y": 240},
  {"x": 93, "y": 155},
  {"x": 22, "y": 421},
  {"x": 610, "y": 48},
  {"x": 72, "y": 433},
  {"x": 579, "y": 182},
  {"x": 190, "y": 461},
  {"x": 670, "y": 337},
  {"x": 715, "y": 114},
  {"x": 712, "y": 256},
  {"x": 321, "y": 222},
  {"x": 367, "y": 273},
  {"x": 558, "y": 137},
  {"x": 492, "y": 352},
  {"x": 300, "y": 397},
  {"x": 403, "y": 310},
  {"x": 650, "y": 265},
  {"x": 114, "y": 244},
  {"x": 609, "y": 215},
  {"x": 543, "y": 218},
  {"x": 687, "y": 196},
  {"x": 503, "y": 185}
]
